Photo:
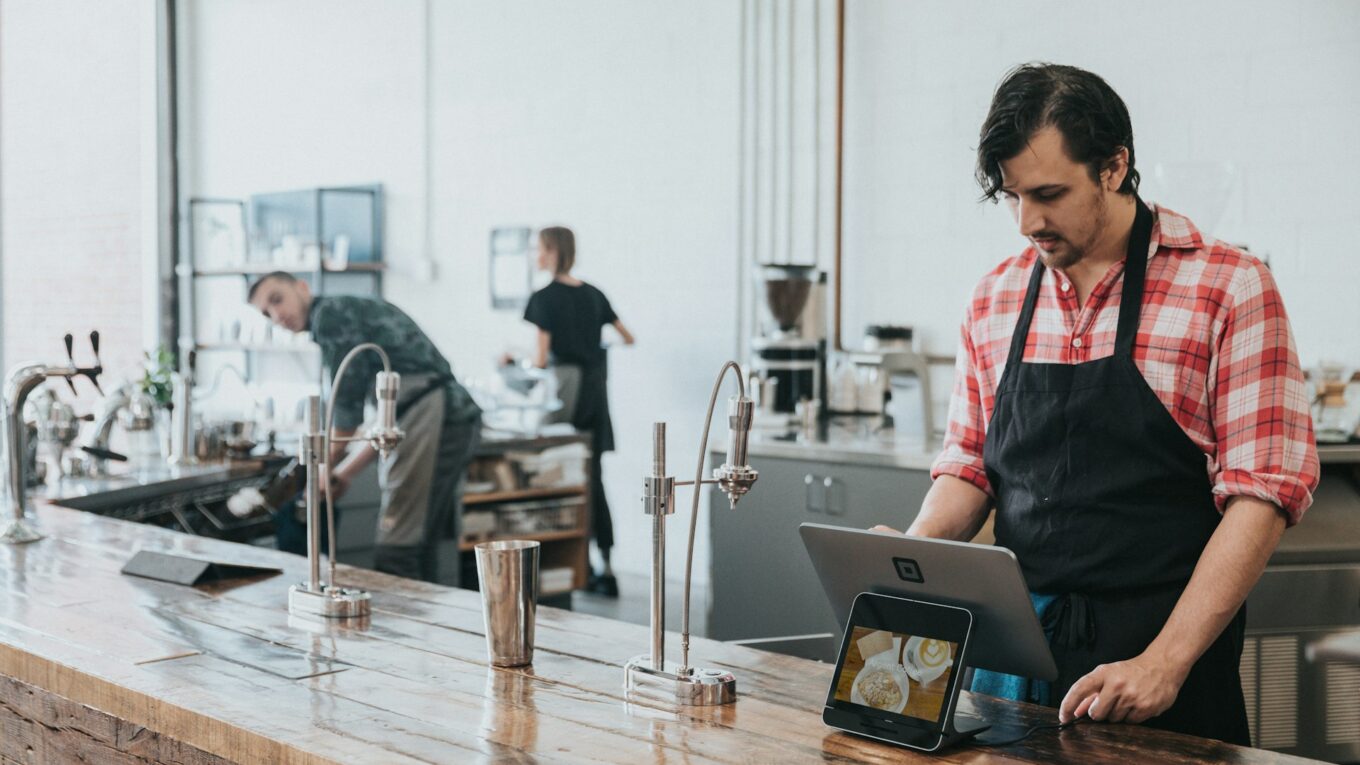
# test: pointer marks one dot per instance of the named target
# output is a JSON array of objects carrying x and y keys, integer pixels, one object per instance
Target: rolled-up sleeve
[
  {"x": 966, "y": 432},
  {"x": 1262, "y": 423}
]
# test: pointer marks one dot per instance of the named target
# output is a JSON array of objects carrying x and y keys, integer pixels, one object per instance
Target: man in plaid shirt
[{"x": 1129, "y": 399}]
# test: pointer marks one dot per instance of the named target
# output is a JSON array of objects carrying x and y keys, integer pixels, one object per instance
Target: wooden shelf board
[
  {"x": 543, "y": 536},
  {"x": 522, "y": 494}
]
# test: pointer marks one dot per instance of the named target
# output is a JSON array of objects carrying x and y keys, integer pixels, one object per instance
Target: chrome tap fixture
[
  {"x": 21, "y": 381},
  {"x": 182, "y": 416},
  {"x": 317, "y": 596},
  {"x": 650, "y": 674}
]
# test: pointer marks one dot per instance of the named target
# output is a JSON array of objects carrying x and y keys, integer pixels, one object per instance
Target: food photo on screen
[{"x": 895, "y": 672}]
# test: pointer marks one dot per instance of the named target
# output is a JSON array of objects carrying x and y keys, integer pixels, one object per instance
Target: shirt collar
[
  {"x": 1173, "y": 231},
  {"x": 311, "y": 312}
]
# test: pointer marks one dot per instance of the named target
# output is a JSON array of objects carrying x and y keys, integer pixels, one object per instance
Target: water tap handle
[
  {"x": 92, "y": 373},
  {"x": 70, "y": 358}
]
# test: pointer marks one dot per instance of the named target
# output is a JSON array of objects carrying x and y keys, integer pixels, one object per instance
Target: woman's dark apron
[
  {"x": 589, "y": 412},
  {"x": 1107, "y": 504}
]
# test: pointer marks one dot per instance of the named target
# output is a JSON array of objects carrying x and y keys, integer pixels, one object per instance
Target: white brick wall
[{"x": 70, "y": 177}]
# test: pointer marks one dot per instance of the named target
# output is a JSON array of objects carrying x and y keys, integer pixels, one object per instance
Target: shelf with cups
[{"x": 330, "y": 237}]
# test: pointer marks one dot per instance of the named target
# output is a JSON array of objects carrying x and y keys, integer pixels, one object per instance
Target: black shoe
[{"x": 604, "y": 585}]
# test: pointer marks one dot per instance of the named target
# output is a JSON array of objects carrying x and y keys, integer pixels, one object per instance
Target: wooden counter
[{"x": 100, "y": 667}]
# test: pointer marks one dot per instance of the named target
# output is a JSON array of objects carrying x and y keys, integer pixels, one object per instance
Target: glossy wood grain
[{"x": 225, "y": 673}]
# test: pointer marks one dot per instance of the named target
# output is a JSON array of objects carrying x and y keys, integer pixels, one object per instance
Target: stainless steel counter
[
  {"x": 1329, "y": 533},
  {"x": 138, "y": 486},
  {"x": 846, "y": 441}
]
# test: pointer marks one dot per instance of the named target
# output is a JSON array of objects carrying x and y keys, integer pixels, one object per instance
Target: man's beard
[{"x": 1072, "y": 254}]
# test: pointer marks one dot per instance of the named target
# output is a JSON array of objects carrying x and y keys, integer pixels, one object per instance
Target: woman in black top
[{"x": 569, "y": 315}]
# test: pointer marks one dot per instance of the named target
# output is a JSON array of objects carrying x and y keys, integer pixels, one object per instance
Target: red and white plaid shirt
[{"x": 1213, "y": 343}]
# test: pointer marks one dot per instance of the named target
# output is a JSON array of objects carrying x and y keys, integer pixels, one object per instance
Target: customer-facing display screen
[{"x": 895, "y": 672}]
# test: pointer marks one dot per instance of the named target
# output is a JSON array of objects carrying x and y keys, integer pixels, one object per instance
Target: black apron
[
  {"x": 1107, "y": 504},
  {"x": 590, "y": 410}
]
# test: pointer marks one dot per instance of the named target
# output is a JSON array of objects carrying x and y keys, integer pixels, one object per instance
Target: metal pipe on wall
[
  {"x": 789, "y": 185},
  {"x": 840, "y": 172}
]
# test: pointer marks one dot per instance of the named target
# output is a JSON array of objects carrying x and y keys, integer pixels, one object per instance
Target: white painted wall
[
  {"x": 616, "y": 118},
  {"x": 1273, "y": 88},
  {"x": 621, "y": 119}
]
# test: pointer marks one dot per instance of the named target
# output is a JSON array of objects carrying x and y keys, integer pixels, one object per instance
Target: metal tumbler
[{"x": 508, "y": 573}]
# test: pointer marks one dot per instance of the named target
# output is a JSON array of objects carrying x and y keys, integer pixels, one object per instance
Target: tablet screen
[{"x": 896, "y": 672}]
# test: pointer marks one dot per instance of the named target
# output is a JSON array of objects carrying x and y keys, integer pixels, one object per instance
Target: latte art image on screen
[{"x": 896, "y": 672}]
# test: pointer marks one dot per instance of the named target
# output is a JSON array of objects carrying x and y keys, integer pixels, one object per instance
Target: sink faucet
[
  {"x": 323, "y": 597},
  {"x": 102, "y": 431},
  {"x": 23, "y": 380}
]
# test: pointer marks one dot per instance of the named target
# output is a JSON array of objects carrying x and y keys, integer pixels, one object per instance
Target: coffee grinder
[{"x": 789, "y": 348}]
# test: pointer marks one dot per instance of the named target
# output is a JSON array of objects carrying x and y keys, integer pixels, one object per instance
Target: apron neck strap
[
  {"x": 1131, "y": 301},
  {"x": 1021, "y": 334},
  {"x": 1135, "y": 269}
]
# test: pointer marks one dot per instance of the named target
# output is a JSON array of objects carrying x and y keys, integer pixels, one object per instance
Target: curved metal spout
[
  {"x": 733, "y": 495},
  {"x": 21, "y": 382},
  {"x": 384, "y": 437}
]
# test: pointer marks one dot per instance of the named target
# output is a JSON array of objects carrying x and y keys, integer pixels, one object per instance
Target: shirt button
[
  {"x": 1076, "y": 342},
  {"x": 1066, "y": 286}
]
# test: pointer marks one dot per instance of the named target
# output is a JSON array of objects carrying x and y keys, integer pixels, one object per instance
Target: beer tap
[{"x": 21, "y": 381}]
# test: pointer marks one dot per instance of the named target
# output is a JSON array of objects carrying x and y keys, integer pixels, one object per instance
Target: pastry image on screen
[{"x": 896, "y": 672}]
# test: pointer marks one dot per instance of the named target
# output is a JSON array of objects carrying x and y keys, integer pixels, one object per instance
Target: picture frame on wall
[{"x": 512, "y": 267}]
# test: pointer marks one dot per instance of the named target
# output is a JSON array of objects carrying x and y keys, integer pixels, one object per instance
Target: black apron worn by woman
[
  {"x": 573, "y": 316},
  {"x": 1107, "y": 504}
]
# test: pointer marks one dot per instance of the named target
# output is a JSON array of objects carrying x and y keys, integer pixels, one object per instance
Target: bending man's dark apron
[
  {"x": 584, "y": 391},
  {"x": 422, "y": 483},
  {"x": 1107, "y": 504}
]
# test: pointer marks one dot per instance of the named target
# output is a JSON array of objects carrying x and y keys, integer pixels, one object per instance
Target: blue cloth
[{"x": 1014, "y": 687}]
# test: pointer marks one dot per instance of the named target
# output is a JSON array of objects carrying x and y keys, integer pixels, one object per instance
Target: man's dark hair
[
  {"x": 1092, "y": 118},
  {"x": 282, "y": 276}
]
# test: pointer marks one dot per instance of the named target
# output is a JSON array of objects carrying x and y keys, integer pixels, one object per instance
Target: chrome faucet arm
[
  {"x": 328, "y": 440},
  {"x": 22, "y": 381},
  {"x": 108, "y": 415},
  {"x": 694, "y": 507}
]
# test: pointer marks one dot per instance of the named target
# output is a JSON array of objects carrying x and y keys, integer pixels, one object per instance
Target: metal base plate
[
  {"x": 331, "y": 602},
  {"x": 19, "y": 532},
  {"x": 699, "y": 688}
]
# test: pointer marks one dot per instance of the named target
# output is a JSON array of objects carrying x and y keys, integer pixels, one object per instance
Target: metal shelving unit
[{"x": 314, "y": 216}]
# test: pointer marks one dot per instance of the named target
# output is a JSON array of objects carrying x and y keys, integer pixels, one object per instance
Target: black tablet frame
[{"x": 910, "y": 617}]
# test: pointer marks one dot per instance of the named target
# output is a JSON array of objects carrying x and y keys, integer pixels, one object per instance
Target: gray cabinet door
[{"x": 762, "y": 583}]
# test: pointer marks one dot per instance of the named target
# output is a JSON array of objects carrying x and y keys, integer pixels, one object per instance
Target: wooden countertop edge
[
  {"x": 120, "y": 700},
  {"x": 176, "y": 705}
]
